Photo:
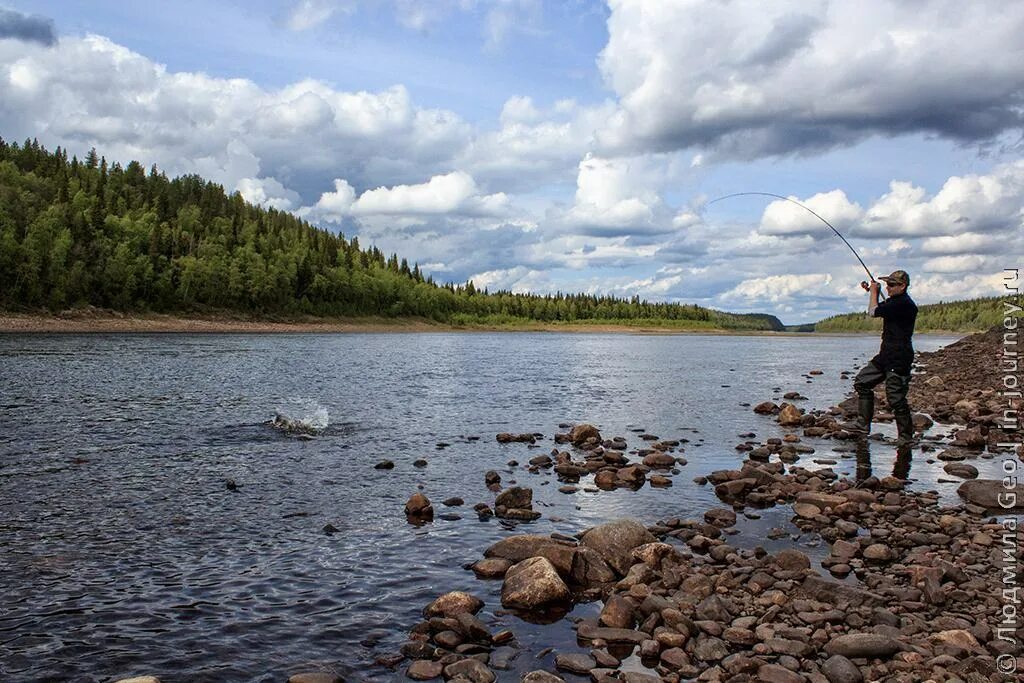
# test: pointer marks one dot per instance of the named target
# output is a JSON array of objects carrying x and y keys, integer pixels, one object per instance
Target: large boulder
[
  {"x": 991, "y": 494},
  {"x": 419, "y": 505},
  {"x": 580, "y": 434},
  {"x": 533, "y": 584},
  {"x": 614, "y": 542},
  {"x": 519, "y": 548}
]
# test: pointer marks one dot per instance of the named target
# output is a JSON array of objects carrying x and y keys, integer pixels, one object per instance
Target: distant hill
[
  {"x": 87, "y": 233},
  {"x": 969, "y": 315}
]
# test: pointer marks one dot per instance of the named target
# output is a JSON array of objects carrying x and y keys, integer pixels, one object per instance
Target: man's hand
[{"x": 874, "y": 285}]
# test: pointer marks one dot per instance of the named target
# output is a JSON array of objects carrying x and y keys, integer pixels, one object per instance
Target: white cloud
[
  {"x": 85, "y": 92},
  {"x": 267, "y": 192},
  {"x": 969, "y": 242},
  {"x": 748, "y": 78},
  {"x": 776, "y": 288},
  {"x": 965, "y": 204},
  {"x": 955, "y": 264},
  {"x": 786, "y": 218}
]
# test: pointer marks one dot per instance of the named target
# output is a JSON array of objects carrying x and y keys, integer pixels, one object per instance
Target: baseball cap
[{"x": 897, "y": 277}]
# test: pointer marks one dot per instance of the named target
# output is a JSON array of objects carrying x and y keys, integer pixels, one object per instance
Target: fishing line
[{"x": 805, "y": 208}]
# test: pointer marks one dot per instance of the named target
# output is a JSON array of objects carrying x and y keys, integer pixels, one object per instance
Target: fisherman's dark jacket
[{"x": 898, "y": 314}]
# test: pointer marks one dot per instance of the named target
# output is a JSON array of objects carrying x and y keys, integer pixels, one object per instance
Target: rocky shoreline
[{"x": 694, "y": 607}]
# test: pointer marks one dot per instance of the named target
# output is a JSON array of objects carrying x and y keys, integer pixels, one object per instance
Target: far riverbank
[{"x": 106, "y": 322}]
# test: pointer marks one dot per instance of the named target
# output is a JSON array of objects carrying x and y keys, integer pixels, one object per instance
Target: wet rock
[
  {"x": 618, "y": 612},
  {"x": 659, "y": 460},
  {"x": 962, "y": 470},
  {"x": 631, "y": 476},
  {"x": 720, "y": 517},
  {"x": 452, "y": 604},
  {"x": 871, "y": 645},
  {"x": 542, "y": 677},
  {"x": 492, "y": 477},
  {"x": 506, "y": 437},
  {"x": 424, "y": 670},
  {"x": 329, "y": 529},
  {"x": 384, "y": 465},
  {"x": 310, "y": 677},
  {"x": 491, "y": 567},
  {"x": 420, "y": 462},
  {"x": 589, "y": 568},
  {"x": 454, "y": 501},
  {"x": 659, "y": 481},
  {"x": 517, "y": 497},
  {"x": 589, "y": 631},
  {"x": 524, "y": 546},
  {"x": 533, "y": 584},
  {"x": 419, "y": 506},
  {"x": 471, "y": 669},
  {"x": 614, "y": 542},
  {"x": 992, "y": 495},
  {"x": 575, "y": 663},
  {"x": 766, "y": 408},
  {"x": 789, "y": 415},
  {"x": 581, "y": 433}
]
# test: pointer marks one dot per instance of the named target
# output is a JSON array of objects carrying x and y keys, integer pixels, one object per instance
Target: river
[{"x": 124, "y": 552}]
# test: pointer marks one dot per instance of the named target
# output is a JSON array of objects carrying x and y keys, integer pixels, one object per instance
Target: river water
[{"x": 123, "y": 552}]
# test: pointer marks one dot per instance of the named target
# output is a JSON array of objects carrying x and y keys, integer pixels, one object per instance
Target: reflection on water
[{"x": 125, "y": 551}]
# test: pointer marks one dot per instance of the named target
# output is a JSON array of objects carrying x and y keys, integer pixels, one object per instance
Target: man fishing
[{"x": 892, "y": 364}]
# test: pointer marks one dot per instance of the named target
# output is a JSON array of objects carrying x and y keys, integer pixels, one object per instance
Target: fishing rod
[{"x": 805, "y": 208}]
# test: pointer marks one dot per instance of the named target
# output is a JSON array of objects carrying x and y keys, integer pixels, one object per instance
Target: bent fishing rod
[{"x": 805, "y": 208}]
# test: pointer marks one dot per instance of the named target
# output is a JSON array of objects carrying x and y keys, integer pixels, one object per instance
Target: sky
[{"x": 571, "y": 145}]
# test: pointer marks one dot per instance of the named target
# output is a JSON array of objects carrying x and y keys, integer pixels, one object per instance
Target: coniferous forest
[{"x": 77, "y": 233}]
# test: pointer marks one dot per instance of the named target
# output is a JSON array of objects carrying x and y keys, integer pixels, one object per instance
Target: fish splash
[{"x": 309, "y": 419}]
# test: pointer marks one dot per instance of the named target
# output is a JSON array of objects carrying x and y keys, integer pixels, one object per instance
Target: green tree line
[
  {"x": 970, "y": 315},
  {"x": 79, "y": 233}
]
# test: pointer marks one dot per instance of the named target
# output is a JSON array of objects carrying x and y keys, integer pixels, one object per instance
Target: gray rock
[
  {"x": 575, "y": 663},
  {"x": 839, "y": 669},
  {"x": 992, "y": 495},
  {"x": 855, "y": 645}
]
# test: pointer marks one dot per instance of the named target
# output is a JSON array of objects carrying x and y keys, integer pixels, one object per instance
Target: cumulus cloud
[
  {"x": 267, "y": 192},
  {"x": 775, "y": 288},
  {"x": 965, "y": 204},
  {"x": 614, "y": 198},
  {"x": 86, "y": 92},
  {"x": 749, "y": 78},
  {"x": 963, "y": 263},
  {"x": 18, "y": 26},
  {"x": 454, "y": 193},
  {"x": 786, "y": 218}
]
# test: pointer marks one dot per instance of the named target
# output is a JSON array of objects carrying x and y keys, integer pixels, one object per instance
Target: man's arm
[{"x": 873, "y": 289}]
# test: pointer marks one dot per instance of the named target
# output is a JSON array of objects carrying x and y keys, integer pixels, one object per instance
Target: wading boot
[
  {"x": 865, "y": 411},
  {"x": 904, "y": 430}
]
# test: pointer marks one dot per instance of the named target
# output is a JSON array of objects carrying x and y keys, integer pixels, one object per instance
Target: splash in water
[{"x": 306, "y": 419}]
